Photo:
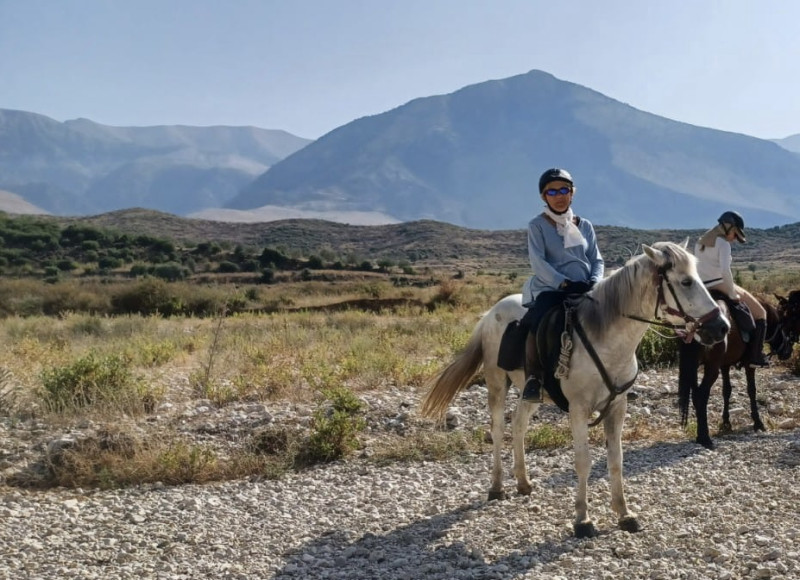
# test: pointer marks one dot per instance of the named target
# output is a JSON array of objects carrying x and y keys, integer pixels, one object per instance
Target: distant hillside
[
  {"x": 271, "y": 213},
  {"x": 13, "y": 203},
  {"x": 82, "y": 167},
  {"x": 792, "y": 143},
  {"x": 473, "y": 158},
  {"x": 428, "y": 242}
]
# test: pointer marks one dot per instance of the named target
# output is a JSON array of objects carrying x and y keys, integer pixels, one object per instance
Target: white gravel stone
[{"x": 728, "y": 513}]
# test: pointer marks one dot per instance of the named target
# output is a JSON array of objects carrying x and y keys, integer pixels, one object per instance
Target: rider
[
  {"x": 562, "y": 249},
  {"x": 713, "y": 251}
]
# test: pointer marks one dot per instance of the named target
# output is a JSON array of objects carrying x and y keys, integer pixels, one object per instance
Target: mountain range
[
  {"x": 81, "y": 167},
  {"x": 470, "y": 158}
]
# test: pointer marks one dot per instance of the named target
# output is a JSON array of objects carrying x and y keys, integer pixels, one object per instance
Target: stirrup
[{"x": 532, "y": 391}]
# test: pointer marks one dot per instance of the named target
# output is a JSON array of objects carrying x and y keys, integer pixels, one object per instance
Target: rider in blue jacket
[{"x": 564, "y": 257}]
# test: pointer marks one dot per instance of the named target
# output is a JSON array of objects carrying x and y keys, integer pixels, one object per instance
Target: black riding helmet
[
  {"x": 554, "y": 174},
  {"x": 732, "y": 218}
]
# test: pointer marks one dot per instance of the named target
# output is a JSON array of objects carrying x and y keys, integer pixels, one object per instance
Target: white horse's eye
[{"x": 686, "y": 282}]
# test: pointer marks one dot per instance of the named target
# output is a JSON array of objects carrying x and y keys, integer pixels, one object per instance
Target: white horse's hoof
[
  {"x": 585, "y": 530},
  {"x": 629, "y": 524},
  {"x": 524, "y": 488}
]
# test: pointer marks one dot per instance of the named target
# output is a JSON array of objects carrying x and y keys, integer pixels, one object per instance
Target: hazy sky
[{"x": 309, "y": 66}]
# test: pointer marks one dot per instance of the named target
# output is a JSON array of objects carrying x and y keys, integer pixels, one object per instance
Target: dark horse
[{"x": 721, "y": 357}]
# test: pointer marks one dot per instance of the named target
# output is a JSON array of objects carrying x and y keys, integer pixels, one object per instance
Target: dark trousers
[{"x": 541, "y": 306}]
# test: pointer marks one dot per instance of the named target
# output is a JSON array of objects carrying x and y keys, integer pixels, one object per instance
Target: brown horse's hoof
[
  {"x": 585, "y": 530},
  {"x": 725, "y": 428},
  {"x": 629, "y": 524},
  {"x": 705, "y": 442},
  {"x": 759, "y": 426},
  {"x": 501, "y": 495}
]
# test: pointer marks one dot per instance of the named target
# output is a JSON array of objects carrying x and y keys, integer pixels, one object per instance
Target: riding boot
[
  {"x": 533, "y": 387},
  {"x": 755, "y": 348}
]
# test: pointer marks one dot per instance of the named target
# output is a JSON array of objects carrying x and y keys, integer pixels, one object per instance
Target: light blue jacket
[{"x": 552, "y": 263}]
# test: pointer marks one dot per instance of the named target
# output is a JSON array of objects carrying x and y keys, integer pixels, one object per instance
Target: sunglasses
[{"x": 559, "y": 191}]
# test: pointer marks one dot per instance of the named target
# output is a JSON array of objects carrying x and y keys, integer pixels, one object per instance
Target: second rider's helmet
[{"x": 732, "y": 218}]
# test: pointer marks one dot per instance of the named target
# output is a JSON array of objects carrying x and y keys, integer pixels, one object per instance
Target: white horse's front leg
[
  {"x": 578, "y": 419},
  {"x": 612, "y": 426},
  {"x": 496, "y": 383}
]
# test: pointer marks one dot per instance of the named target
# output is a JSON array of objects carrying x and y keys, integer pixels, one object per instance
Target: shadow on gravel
[
  {"x": 664, "y": 454},
  {"x": 635, "y": 461},
  {"x": 419, "y": 550},
  {"x": 424, "y": 549}
]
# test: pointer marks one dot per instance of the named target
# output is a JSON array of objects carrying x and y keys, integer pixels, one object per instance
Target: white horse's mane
[{"x": 622, "y": 292}]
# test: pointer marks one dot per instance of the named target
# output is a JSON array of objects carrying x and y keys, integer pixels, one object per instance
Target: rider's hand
[{"x": 572, "y": 287}]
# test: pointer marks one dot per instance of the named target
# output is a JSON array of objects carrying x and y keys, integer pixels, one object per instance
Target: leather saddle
[{"x": 739, "y": 312}]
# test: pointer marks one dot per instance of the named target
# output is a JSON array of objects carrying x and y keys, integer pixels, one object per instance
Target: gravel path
[{"x": 727, "y": 513}]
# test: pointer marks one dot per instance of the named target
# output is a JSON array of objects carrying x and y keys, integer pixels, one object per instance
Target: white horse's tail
[{"x": 455, "y": 377}]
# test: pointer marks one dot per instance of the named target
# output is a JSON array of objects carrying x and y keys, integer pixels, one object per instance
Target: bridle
[{"x": 691, "y": 324}]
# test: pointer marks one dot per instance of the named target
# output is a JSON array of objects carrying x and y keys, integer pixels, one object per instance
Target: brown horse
[
  {"x": 789, "y": 311},
  {"x": 720, "y": 358}
]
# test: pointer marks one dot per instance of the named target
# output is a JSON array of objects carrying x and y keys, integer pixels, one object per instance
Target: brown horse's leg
[
  {"x": 750, "y": 373},
  {"x": 700, "y": 396},
  {"x": 700, "y": 401},
  {"x": 726, "y": 400}
]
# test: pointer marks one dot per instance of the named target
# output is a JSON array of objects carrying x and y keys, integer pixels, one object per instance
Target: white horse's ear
[
  {"x": 657, "y": 256},
  {"x": 685, "y": 243}
]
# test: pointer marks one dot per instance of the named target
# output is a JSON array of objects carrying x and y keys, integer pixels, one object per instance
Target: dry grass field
[{"x": 323, "y": 343}]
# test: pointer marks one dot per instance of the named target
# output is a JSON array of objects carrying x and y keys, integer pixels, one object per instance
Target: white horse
[{"x": 613, "y": 317}]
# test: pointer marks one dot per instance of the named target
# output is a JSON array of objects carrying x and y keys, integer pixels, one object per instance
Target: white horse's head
[{"x": 682, "y": 297}]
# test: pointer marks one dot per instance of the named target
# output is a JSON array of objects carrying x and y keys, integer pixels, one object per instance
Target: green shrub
[
  {"x": 94, "y": 381},
  {"x": 69, "y": 296},
  {"x": 658, "y": 349},
  {"x": 151, "y": 296},
  {"x": 109, "y": 263},
  {"x": 138, "y": 270},
  {"x": 267, "y": 276},
  {"x": 335, "y": 426},
  {"x": 170, "y": 271},
  {"x": 314, "y": 263},
  {"x": 227, "y": 267}
]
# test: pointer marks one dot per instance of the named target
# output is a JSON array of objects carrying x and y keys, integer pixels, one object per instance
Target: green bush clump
[
  {"x": 94, "y": 381},
  {"x": 658, "y": 349},
  {"x": 151, "y": 296},
  {"x": 335, "y": 426}
]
